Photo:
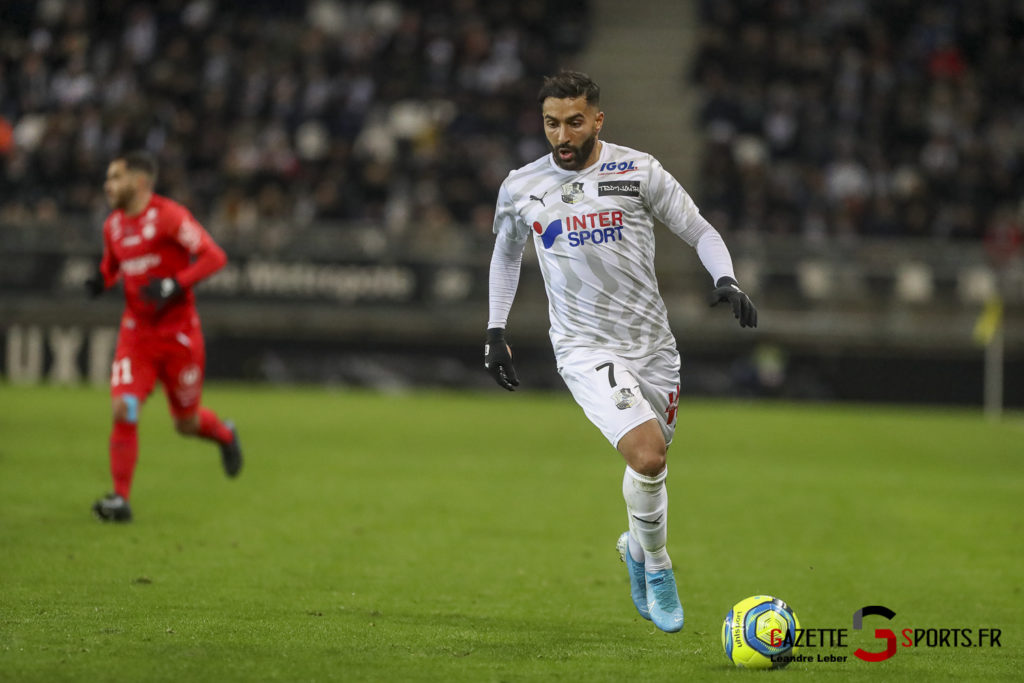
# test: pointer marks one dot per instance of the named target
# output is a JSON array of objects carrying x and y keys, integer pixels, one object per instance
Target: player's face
[
  {"x": 571, "y": 126},
  {"x": 121, "y": 185}
]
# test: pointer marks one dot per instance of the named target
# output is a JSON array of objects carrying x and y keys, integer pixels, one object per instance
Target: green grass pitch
[{"x": 470, "y": 537}]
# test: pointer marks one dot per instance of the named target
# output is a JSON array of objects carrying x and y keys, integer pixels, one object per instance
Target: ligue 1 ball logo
[{"x": 758, "y": 633}]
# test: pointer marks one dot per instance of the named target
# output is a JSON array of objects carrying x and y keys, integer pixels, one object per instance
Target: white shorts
[{"x": 618, "y": 394}]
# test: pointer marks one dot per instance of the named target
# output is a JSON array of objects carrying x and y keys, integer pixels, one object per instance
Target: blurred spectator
[
  {"x": 266, "y": 116},
  {"x": 862, "y": 117}
]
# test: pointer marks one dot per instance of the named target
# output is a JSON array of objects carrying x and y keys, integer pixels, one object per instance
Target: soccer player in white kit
[{"x": 590, "y": 206}]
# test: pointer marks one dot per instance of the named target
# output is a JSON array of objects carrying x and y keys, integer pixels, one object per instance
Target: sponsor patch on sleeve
[
  {"x": 189, "y": 235},
  {"x": 621, "y": 188}
]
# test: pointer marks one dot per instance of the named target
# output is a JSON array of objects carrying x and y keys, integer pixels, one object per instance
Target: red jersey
[{"x": 163, "y": 240}]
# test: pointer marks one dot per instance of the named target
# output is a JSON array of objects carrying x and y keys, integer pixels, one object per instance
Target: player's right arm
[
  {"x": 108, "y": 269},
  {"x": 503, "y": 280}
]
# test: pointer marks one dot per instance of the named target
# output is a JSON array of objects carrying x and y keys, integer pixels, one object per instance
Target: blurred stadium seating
[
  {"x": 864, "y": 160},
  {"x": 840, "y": 120},
  {"x": 267, "y": 116}
]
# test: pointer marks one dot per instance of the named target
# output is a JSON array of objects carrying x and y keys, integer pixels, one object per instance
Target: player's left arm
[
  {"x": 207, "y": 255},
  {"x": 674, "y": 207},
  {"x": 207, "y": 258}
]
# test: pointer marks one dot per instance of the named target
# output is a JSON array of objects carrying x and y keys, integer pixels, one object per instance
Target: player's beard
[
  {"x": 121, "y": 200},
  {"x": 579, "y": 154}
]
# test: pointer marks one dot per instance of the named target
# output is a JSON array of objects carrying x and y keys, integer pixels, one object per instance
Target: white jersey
[{"x": 594, "y": 234}]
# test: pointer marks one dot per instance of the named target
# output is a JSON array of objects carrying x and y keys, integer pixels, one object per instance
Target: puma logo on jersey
[{"x": 539, "y": 199}]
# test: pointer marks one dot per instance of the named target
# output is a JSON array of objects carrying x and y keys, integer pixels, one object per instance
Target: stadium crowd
[
  {"x": 843, "y": 118},
  {"x": 266, "y": 116},
  {"x": 822, "y": 119}
]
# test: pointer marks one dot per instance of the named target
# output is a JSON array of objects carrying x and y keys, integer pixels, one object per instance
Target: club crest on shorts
[
  {"x": 572, "y": 193},
  {"x": 624, "y": 398},
  {"x": 189, "y": 375}
]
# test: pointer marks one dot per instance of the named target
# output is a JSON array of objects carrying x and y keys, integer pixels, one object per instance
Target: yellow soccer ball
[{"x": 759, "y": 633}]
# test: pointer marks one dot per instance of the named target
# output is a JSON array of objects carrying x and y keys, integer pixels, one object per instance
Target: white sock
[
  {"x": 647, "y": 505},
  {"x": 636, "y": 551}
]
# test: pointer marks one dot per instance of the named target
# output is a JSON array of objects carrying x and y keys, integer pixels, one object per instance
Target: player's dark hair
[
  {"x": 140, "y": 161},
  {"x": 567, "y": 84}
]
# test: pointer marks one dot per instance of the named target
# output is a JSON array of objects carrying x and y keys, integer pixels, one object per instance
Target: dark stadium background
[{"x": 863, "y": 159}]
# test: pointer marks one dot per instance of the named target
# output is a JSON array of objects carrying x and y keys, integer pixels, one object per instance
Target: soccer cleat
[
  {"x": 231, "y": 453},
  {"x": 112, "y": 508},
  {"x": 663, "y": 600},
  {"x": 637, "y": 579}
]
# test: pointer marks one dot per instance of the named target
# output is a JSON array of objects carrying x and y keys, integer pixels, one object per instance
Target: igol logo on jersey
[
  {"x": 596, "y": 228},
  {"x": 617, "y": 167}
]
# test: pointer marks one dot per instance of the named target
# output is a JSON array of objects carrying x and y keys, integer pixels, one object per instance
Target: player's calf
[
  {"x": 205, "y": 424},
  {"x": 187, "y": 426},
  {"x": 125, "y": 408},
  {"x": 124, "y": 443}
]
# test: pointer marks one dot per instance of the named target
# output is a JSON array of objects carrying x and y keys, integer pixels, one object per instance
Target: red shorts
[{"x": 175, "y": 356}]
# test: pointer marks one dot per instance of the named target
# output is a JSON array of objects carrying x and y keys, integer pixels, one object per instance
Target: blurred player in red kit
[{"x": 158, "y": 251}]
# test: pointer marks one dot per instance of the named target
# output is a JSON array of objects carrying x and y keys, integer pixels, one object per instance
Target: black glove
[
  {"x": 498, "y": 359},
  {"x": 162, "y": 290},
  {"x": 727, "y": 289},
  {"x": 95, "y": 285}
]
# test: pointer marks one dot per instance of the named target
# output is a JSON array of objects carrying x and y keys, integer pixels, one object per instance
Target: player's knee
[
  {"x": 187, "y": 426},
  {"x": 644, "y": 449},
  {"x": 126, "y": 408},
  {"x": 649, "y": 461}
]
